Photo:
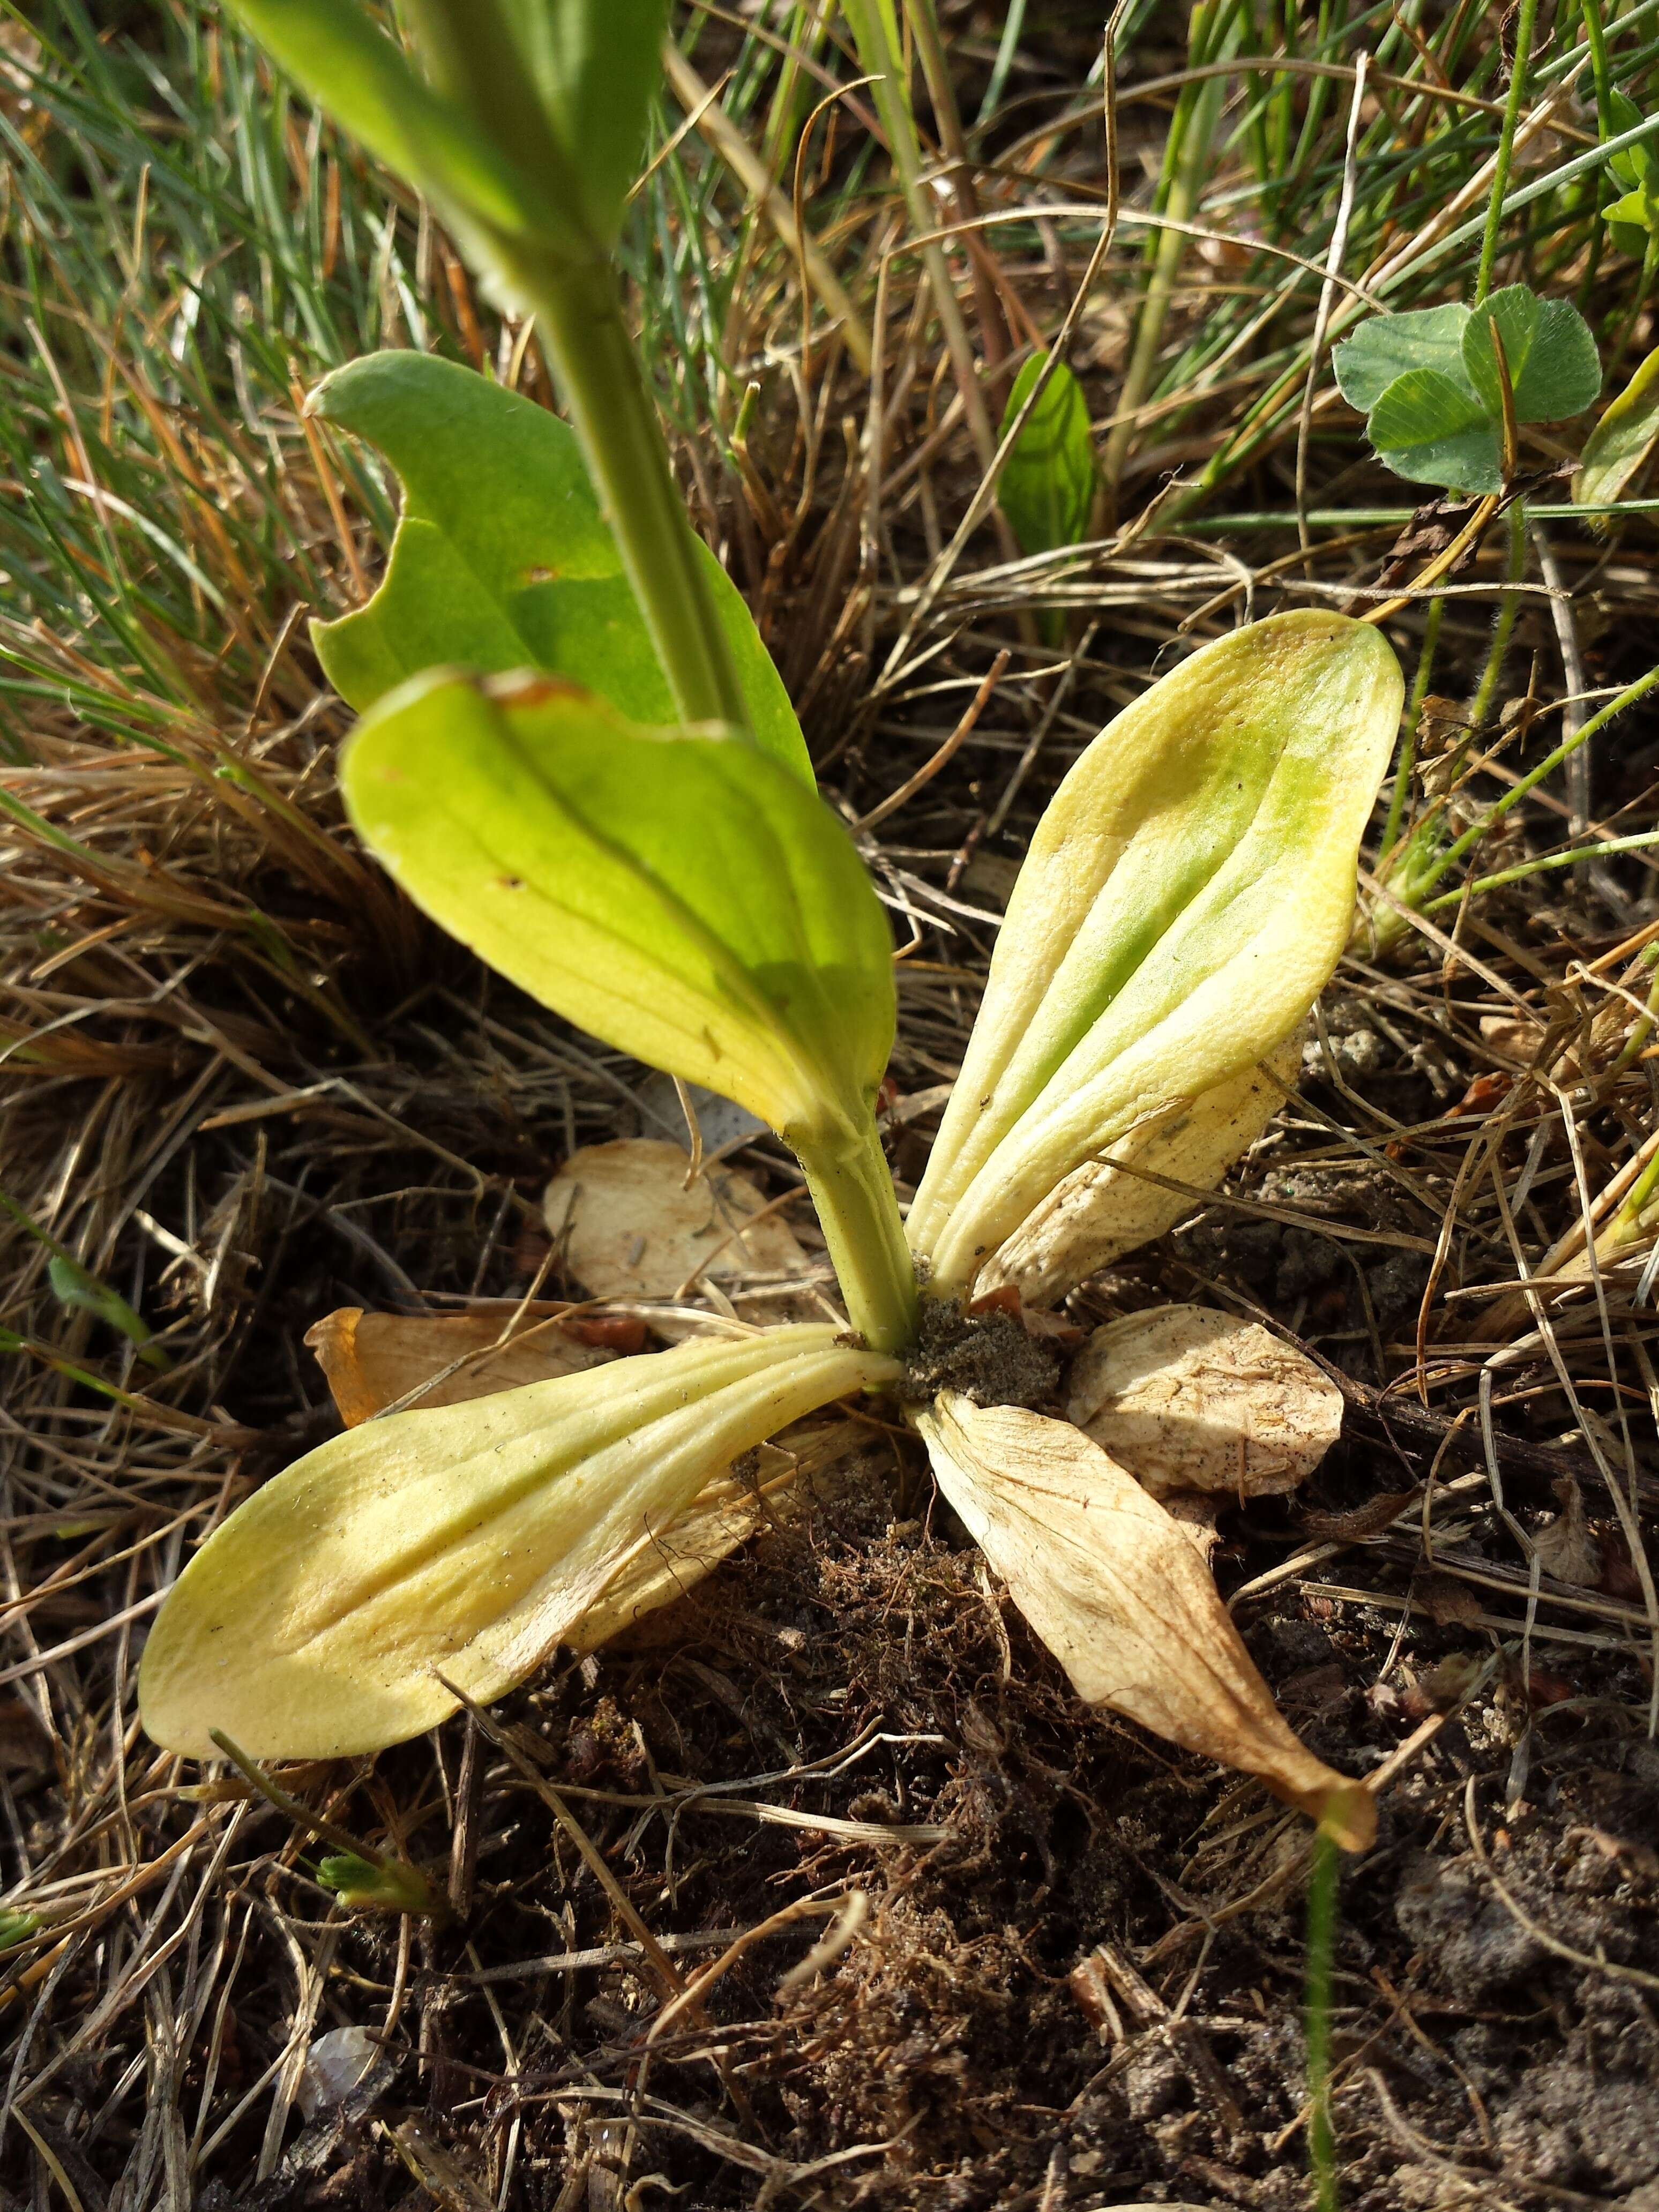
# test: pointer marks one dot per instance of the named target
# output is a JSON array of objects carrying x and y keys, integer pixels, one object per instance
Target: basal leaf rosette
[
  {"x": 464, "y": 1542},
  {"x": 1117, "y": 1589},
  {"x": 1186, "y": 897}
]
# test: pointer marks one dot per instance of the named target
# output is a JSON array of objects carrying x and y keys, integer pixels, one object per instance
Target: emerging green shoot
[
  {"x": 1049, "y": 481},
  {"x": 16, "y": 1927},
  {"x": 378, "y": 1885},
  {"x": 1633, "y": 219}
]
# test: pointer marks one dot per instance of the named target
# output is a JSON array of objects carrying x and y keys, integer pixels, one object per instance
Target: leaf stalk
[{"x": 857, "y": 1209}]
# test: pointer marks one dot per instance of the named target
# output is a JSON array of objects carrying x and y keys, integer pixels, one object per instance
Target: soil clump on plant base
[{"x": 990, "y": 1358}]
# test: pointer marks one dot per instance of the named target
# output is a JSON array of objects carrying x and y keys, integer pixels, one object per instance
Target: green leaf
[
  {"x": 1387, "y": 346},
  {"x": 462, "y": 1541},
  {"x": 1621, "y": 441},
  {"x": 677, "y": 894},
  {"x": 342, "y": 60},
  {"x": 1186, "y": 895},
  {"x": 1636, "y": 162},
  {"x": 596, "y": 65},
  {"x": 502, "y": 559},
  {"x": 72, "y": 1284},
  {"x": 1553, "y": 367},
  {"x": 1046, "y": 487},
  {"x": 1634, "y": 219},
  {"x": 1432, "y": 429}
]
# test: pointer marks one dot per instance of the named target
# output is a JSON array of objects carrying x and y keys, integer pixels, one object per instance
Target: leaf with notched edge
[{"x": 502, "y": 560}]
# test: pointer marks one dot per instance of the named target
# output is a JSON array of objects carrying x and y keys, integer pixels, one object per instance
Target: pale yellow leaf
[
  {"x": 1189, "y": 1399},
  {"x": 1118, "y": 1592},
  {"x": 1186, "y": 896},
  {"x": 1621, "y": 441},
  {"x": 1107, "y": 1207},
  {"x": 469, "y": 1539}
]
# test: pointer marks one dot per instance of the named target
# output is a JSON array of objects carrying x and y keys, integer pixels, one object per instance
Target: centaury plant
[{"x": 575, "y": 755}]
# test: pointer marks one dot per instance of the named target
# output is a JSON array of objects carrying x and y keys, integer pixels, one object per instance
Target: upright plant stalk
[
  {"x": 474, "y": 57},
  {"x": 853, "y": 1191},
  {"x": 1526, "y": 22},
  {"x": 1509, "y": 610},
  {"x": 580, "y": 313},
  {"x": 1401, "y": 791}
]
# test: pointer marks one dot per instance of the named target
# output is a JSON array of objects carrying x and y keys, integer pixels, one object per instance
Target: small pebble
[{"x": 335, "y": 2064}]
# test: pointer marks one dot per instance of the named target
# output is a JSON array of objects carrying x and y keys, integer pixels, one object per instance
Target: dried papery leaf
[
  {"x": 1566, "y": 1546},
  {"x": 627, "y": 1225},
  {"x": 1105, "y": 1208},
  {"x": 1188, "y": 1398},
  {"x": 1197, "y": 1514},
  {"x": 1187, "y": 894},
  {"x": 374, "y": 1360},
  {"x": 471, "y": 1539},
  {"x": 1118, "y": 1592}
]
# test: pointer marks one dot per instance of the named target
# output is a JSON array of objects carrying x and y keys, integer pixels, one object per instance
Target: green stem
[
  {"x": 475, "y": 58},
  {"x": 853, "y": 1191},
  {"x": 1402, "y": 776},
  {"x": 1193, "y": 133},
  {"x": 892, "y": 92},
  {"x": 1508, "y": 609},
  {"x": 1599, "y": 68},
  {"x": 1322, "y": 1888},
  {"x": 1534, "y": 776},
  {"x": 1525, "y": 21},
  {"x": 579, "y": 310},
  {"x": 1641, "y": 842}
]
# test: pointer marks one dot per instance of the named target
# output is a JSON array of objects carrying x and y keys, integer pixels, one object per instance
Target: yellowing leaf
[
  {"x": 1188, "y": 1398},
  {"x": 675, "y": 893},
  {"x": 468, "y": 1540},
  {"x": 1187, "y": 894},
  {"x": 791, "y": 1474},
  {"x": 1107, "y": 1207},
  {"x": 1621, "y": 441},
  {"x": 1118, "y": 1592},
  {"x": 373, "y": 1360}
]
